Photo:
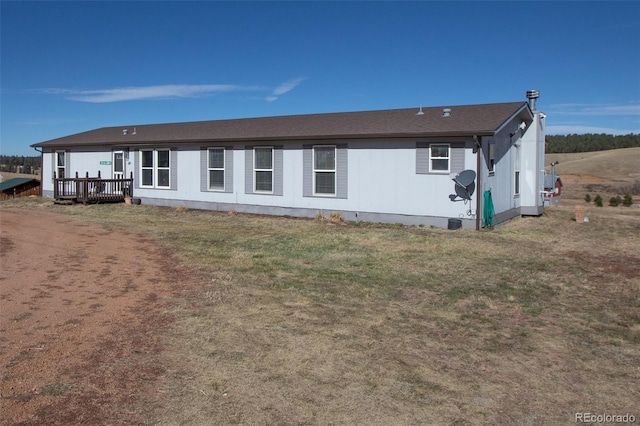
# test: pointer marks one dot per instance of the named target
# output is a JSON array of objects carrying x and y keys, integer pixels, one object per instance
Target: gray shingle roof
[{"x": 465, "y": 120}]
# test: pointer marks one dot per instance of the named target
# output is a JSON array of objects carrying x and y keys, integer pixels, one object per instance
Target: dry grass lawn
[
  {"x": 298, "y": 322},
  {"x": 614, "y": 164}
]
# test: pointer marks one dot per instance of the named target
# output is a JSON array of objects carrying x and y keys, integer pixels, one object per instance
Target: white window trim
[
  {"x": 155, "y": 168},
  {"x": 114, "y": 163},
  {"x": 143, "y": 168},
  {"x": 209, "y": 169},
  {"x": 255, "y": 170},
  {"x": 516, "y": 172},
  {"x": 492, "y": 159},
  {"x": 334, "y": 171},
  {"x": 58, "y": 167},
  {"x": 448, "y": 158}
]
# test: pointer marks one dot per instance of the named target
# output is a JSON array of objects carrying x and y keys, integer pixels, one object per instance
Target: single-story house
[
  {"x": 19, "y": 187},
  {"x": 410, "y": 166}
]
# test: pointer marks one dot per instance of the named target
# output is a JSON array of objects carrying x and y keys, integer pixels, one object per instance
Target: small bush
[
  {"x": 627, "y": 201},
  {"x": 336, "y": 217},
  {"x": 615, "y": 201},
  {"x": 587, "y": 198},
  {"x": 332, "y": 218},
  {"x": 598, "y": 200}
]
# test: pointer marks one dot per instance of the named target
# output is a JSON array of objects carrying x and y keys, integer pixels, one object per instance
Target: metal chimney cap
[
  {"x": 533, "y": 94},
  {"x": 446, "y": 112}
]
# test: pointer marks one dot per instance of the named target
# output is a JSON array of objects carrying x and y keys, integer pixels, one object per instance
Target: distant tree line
[
  {"x": 590, "y": 142},
  {"x": 19, "y": 164}
]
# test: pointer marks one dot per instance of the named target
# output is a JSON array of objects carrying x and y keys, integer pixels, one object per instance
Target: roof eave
[
  {"x": 455, "y": 134},
  {"x": 523, "y": 108}
]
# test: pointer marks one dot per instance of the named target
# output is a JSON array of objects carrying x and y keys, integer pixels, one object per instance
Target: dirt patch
[
  {"x": 82, "y": 313},
  {"x": 569, "y": 178}
]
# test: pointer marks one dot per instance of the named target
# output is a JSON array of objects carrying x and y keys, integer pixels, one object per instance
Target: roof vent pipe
[
  {"x": 124, "y": 132},
  {"x": 532, "y": 95},
  {"x": 446, "y": 112}
]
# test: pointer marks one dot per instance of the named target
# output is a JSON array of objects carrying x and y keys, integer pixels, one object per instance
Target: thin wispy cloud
[
  {"x": 285, "y": 87},
  {"x": 143, "y": 92},
  {"x": 169, "y": 91},
  {"x": 595, "y": 109}
]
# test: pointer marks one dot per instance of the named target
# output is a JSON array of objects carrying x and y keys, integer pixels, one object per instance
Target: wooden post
[{"x": 579, "y": 213}]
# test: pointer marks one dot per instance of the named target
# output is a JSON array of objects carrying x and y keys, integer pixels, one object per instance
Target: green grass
[{"x": 311, "y": 322}]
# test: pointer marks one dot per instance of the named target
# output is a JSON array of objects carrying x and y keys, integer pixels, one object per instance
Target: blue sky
[{"x": 68, "y": 67}]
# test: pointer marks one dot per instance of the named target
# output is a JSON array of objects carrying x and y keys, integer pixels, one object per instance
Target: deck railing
[{"x": 91, "y": 189}]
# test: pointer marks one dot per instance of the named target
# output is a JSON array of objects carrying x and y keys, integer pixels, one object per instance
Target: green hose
[{"x": 489, "y": 212}]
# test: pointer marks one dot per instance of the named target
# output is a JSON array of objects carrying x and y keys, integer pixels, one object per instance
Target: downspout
[
  {"x": 41, "y": 163},
  {"x": 478, "y": 155}
]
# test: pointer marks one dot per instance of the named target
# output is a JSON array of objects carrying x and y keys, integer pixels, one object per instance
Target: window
[
  {"x": 60, "y": 164},
  {"x": 492, "y": 158},
  {"x": 155, "y": 168},
  {"x": 324, "y": 170},
  {"x": 215, "y": 169},
  {"x": 439, "y": 158},
  {"x": 147, "y": 168},
  {"x": 517, "y": 172},
  {"x": 263, "y": 169}
]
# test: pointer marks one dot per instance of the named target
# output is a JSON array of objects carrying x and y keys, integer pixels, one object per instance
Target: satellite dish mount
[{"x": 464, "y": 186}]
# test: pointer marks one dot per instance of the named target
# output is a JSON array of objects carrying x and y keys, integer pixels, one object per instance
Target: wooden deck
[{"x": 89, "y": 190}]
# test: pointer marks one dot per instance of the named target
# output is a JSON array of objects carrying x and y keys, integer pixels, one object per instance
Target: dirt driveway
[{"x": 82, "y": 311}]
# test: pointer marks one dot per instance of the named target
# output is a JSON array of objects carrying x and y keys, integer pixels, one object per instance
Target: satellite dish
[
  {"x": 465, "y": 185},
  {"x": 467, "y": 192},
  {"x": 465, "y": 178}
]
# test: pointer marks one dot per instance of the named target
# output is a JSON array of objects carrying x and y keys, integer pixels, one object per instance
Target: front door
[
  {"x": 119, "y": 172},
  {"x": 118, "y": 165}
]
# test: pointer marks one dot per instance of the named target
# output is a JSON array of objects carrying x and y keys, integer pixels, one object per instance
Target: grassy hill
[{"x": 616, "y": 164}]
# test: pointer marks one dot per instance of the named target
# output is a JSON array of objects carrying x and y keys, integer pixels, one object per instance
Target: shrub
[
  {"x": 615, "y": 201},
  {"x": 587, "y": 198},
  {"x": 332, "y": 218},
  {"x": 598, "y": 200},
  {"x": 336, "y": 217},
  {"x": 627, "y": 201}
]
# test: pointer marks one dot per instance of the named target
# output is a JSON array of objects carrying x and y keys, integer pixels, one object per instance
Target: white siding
[
  {"x": 374, "y": 177},
  {"x": 81, "y": 162},
  {"x": 532, "y": 167}
]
